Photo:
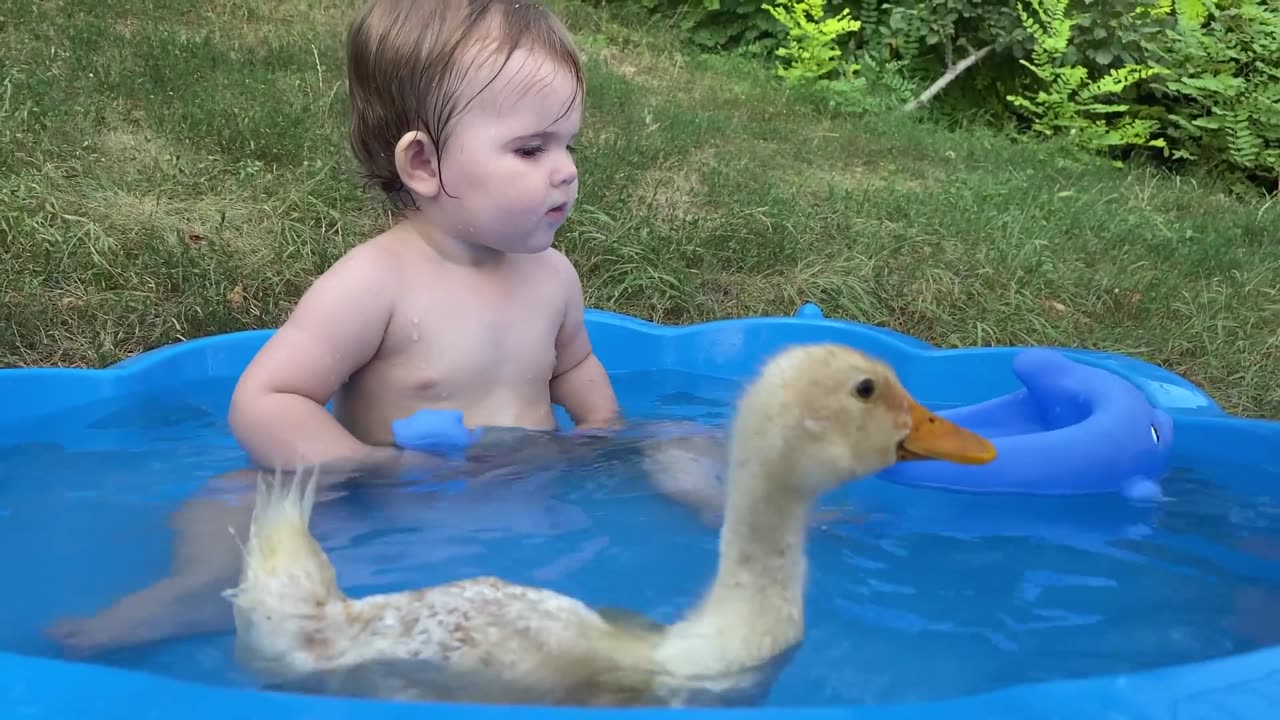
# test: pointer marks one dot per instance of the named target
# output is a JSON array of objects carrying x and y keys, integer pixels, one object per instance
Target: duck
[{"x": 814, "y": 417}]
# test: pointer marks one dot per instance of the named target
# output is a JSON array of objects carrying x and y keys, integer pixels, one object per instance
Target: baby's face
[{"x": 508, "y": 163}]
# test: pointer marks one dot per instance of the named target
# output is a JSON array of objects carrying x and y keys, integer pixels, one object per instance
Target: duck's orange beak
[{"x": 933, "y": 437}]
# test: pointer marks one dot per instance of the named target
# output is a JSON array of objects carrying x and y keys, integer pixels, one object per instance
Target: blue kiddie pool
[{"x": 1119, "y": 559}]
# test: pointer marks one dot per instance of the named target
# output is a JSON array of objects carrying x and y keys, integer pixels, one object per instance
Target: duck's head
[{"x": 829, "y": 414}]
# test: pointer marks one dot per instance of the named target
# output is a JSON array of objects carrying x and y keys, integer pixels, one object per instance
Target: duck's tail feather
[{"x": 288, "y": 589}]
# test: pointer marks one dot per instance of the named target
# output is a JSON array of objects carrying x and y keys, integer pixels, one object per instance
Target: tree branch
[{"x": 952, "y": 73}]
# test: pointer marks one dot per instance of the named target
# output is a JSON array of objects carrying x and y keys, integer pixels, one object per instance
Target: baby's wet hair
[{"x": 408, "y": 62}]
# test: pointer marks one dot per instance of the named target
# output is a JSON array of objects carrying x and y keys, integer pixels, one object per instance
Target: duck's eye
[{"x": 865, "y": 388}]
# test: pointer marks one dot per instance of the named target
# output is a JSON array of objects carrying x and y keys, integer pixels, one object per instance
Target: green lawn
[{"x": 171, "y": 169}]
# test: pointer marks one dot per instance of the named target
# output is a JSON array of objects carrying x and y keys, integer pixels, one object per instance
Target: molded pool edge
[{"x": 1245, "y": 686}]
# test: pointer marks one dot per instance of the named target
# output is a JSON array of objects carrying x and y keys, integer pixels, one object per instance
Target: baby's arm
[
  {"x": 579, "y": 382},
  {"x": 277, "y": 410}
]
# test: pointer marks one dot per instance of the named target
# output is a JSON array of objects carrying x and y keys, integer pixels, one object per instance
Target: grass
[{"x": 171, "y": 169}]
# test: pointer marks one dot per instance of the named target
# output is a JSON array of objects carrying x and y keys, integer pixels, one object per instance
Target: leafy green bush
[
  {"x": 1197, "y": 80},
  {"x": 810, "y": 47},
  {"x": 720, "y": 24},
  {"x": 1067, "y": 102},
  {"x": 1220, "y": 104}
]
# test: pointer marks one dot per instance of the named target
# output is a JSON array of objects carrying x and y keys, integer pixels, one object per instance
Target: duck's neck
[
  {"x": 754, "y": 609},
  {"x": 762, "y": 541}
]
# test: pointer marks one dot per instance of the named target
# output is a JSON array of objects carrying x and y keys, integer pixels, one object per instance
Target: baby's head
[{"x": 464, "y": 112}]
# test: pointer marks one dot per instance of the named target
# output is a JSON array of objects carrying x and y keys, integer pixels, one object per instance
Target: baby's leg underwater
[
  {"x": 206, "y": 561},
  {"x": 688, "y": 464}
]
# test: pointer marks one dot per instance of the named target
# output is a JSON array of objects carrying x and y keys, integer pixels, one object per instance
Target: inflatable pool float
[
  {"x": 1073, "y": 429},
  {"x": 1027, "y": 398}
]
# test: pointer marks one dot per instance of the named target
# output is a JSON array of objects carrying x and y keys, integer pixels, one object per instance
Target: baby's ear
[{"x": 416, "y": 164}]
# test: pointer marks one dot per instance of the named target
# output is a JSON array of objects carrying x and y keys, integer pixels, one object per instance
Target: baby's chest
[{"x": 461, "y": 341}]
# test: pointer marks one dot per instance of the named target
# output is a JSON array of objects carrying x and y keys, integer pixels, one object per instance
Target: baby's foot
[{"x": 162, "y": 611}]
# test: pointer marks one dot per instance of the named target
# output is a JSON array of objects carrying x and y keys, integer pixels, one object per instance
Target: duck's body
[
  {"x": 479, "y": 638},
  {"x": 802, "y": 428},
  {"x": 484, "y": 639}
]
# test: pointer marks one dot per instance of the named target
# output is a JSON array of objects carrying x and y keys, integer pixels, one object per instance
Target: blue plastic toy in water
[
  {"x": 1073, "y": 429},
  {"x": 433, "y": 430}
]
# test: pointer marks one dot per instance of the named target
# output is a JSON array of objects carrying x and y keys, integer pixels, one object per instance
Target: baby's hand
[{"x": 379, "y": 461}]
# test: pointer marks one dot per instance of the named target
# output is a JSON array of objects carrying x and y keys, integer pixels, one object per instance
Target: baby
[{"x": 464, "y": 113}]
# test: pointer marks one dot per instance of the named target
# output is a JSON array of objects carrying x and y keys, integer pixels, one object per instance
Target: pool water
[{"x": 914, "y": 595}]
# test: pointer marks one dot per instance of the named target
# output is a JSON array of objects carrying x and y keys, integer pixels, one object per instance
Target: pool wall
[{"x": 1243, "y": 687}]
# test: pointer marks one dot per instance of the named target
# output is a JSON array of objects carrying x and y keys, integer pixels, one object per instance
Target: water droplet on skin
[
  {"x": 414, "y": 320},
  {"x": 414, "y": 337}
]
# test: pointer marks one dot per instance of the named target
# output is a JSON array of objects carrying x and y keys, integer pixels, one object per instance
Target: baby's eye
[{"x": 530, "y": 151}]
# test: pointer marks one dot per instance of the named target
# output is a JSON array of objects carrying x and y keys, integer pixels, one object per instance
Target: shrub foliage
[{"x": 1184, "y": 81}]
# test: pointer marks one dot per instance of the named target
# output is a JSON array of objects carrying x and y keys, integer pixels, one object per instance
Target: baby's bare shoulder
[
  {"x": 558, "y": 269},
  {"x": 378, "y": 254},
  {"x": 556, "y": 261},
  {"x": 375, "y": 263}
]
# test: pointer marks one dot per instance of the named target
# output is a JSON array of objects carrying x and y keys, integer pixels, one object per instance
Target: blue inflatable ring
[{"x": 1073, "y": 429}]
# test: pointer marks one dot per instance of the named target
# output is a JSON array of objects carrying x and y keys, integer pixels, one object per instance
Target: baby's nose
[{"x": 565, "y": 174}]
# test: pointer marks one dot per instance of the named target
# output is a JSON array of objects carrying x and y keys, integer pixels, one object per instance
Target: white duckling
[{"x": 817, "y": 416}]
